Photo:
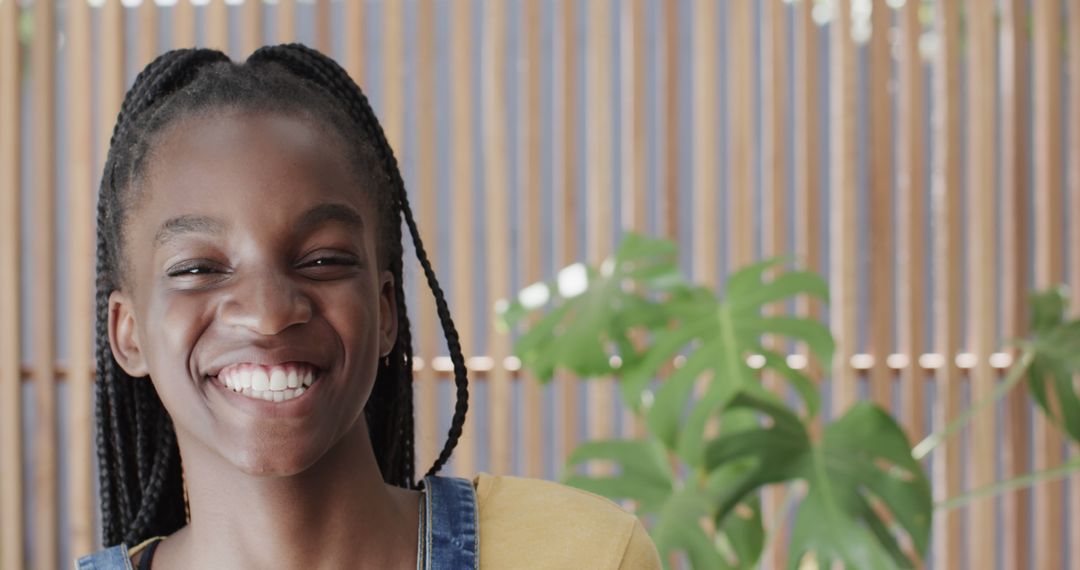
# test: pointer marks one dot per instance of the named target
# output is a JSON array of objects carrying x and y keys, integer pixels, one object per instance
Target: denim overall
[{"x": 452, "y": 541}]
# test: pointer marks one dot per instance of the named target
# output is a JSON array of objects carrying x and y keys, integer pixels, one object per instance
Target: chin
[{"x": 274, "y": 461}]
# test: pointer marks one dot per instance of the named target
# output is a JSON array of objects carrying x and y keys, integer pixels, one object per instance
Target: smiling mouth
[{"x": 277, "y": 383}]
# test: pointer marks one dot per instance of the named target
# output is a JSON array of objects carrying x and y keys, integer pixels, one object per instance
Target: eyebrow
[
  {"x": 190, "y": 223},
  {"x": 316, "y": 216}
]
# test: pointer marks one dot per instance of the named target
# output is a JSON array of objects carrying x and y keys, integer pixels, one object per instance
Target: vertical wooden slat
[
  {"x": 1046, "y": 35},
  {"x": 842, "y": 230},
  {"x": 323, "y": 20},
  {"x": 1014, "y": 259},
  {"x": 706, "y": 140},
  {"x": 1073, "y": 33},
  {"x": 632, "y": 145},
  {"x": 672, "y": 148},
  {"x": 217, "y": 26},
  {"x": 392, "y": 100},
  {"x": 461, "y": 35},
  {"x": 497, "y": 182},
  {"x": 532, "y": 420},
  {"x": 981, "y": 268},
  {"x": 881, "y": 204},
  {"x": 112, "y": 72},
  {"x": 81, "y": 266},
  {"x": 910, "y": 186},
  {"x": 946, "y": 202},
  {"x": 251, "y": 26},
  {"x": 286, "y": 21},
  {"x": 427, "y": 192},
  {"x": 11, "y": 484},
  {"x": 774, "y": 101},
  {"x": 807, "y": 163},
  {"x": 741, "y": 93},
  {"x": 599, "y": 172},
  {"x": 568, "y": 385},
  {"x": 355, "y": 26},
  {"x": 183, "y": 24},
  {"x": 46, "y": 505},
  {"x": 148, "y": 32}
]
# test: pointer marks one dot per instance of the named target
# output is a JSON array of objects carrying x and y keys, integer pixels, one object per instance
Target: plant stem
[
  {"x": 1025, "y": 480},
  {"x": 932, "y": 441}
]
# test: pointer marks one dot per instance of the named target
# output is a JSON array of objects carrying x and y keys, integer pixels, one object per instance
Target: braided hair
[{"x": 141, "y": 487}]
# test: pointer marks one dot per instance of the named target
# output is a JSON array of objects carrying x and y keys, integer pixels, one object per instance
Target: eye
[
  {"x": 329, "y": 260},
  {"x": 193, "y": 268}
]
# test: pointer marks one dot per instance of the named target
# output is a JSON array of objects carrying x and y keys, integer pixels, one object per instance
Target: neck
[{"x": 337, "y": 513}]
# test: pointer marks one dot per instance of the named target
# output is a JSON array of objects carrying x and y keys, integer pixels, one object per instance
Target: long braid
[{"x": 315, "y": 66}]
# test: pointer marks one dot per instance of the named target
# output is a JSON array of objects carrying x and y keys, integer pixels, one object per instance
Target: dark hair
[{"x": 141, "y": 478}]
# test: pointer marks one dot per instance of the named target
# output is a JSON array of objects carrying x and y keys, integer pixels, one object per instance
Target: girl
[{"x": 254, "y": 395}]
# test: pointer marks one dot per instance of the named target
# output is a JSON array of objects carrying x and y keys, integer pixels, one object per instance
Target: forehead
[{"x": 231, "y": 164}]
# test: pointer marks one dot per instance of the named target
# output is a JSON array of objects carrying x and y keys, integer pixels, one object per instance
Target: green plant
[{"x": 716, "y": 436}]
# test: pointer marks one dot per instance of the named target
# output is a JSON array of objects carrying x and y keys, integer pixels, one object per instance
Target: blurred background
[{"x": 923, "y": 155}]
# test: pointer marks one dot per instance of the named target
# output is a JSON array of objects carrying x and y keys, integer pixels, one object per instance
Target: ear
[
  {"x": 388, "y": 317},
  {"x": 124, "y": 335}
]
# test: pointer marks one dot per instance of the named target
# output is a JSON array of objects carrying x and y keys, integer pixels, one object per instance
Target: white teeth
[
  {"x": 244, "y": 378},
  {"x": 260, "y": 381},
  {"x": 308, "y": 378},
  {"x": 278, "y": 396},
  {"x": 292, "y": 380},
  {"x": 278, "y": 379}
]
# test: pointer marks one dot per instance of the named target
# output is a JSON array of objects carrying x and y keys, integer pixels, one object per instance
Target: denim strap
[
  {"x": 453, "y": 539},
  {"x": 113, "y": 558}
]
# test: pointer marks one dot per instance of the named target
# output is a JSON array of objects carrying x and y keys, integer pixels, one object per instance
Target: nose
[{"x": 266, "y": 303}]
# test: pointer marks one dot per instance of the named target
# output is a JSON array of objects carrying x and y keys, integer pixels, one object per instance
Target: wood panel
[
  {"x": 672, "y": 137},
  {"x": 947, "y": 285},
  {"x": 392, "y": 98},
  {"x": 184, "y": 24},
  {"x": 217, "y": 26},
  {"x": 741, "y": 148},
  {"x": 1073, "y": 238},
  {"x": 497, "y": 182},
  {"x": 286, "y": 16},
  {"x": 1048, "y": 233},
  {"x": 1015, "y": 93},
  {"x": 147, "y": 41},
  {"x": 882, "y": 248},
  {"x": 842, "y": 229},
  {"x": 81, "y": 190},
  {"x": 11, "y": 483},
  {"x": 251, "y": 26},
  {"x": 910, "y": 187},
  {"x": 599, "y": 172},
  {"x": 705, "y": 83},
  {"x": 463, "y": 189},
  {"x": 428, "y": 442},
  {"x": 43, "y": 177},
  {"x": 323, "y": 25},
  {"x": 355, "y": 36},
  {"x": 981, "y": 292},
  {"x": 567, "y": 202},
  {"x": 112, "y": 73},
  {"x": 529, "y": 217}
]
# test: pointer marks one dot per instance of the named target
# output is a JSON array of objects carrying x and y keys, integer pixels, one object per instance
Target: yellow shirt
[{"x": 531, "y": 523}]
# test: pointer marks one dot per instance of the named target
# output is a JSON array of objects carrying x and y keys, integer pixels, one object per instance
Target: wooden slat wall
[
  {"x": 992, "y": 54},
  {"x": 11, "y": 101},
  {"x": 497, "y": 184},
  {"x": 1049, "y": 236},
  {"x": 981, "y": 309},
  {"x": 43, "y": 175},
  {"x": 946, "y": 251},
  {"x": 842, "y": 233},
  {"x": 464, "y": 181},
  {"x": 428, "y": 442},
  {"x": 1015, "y": 239},
  {"x": 82, "y": 168}
]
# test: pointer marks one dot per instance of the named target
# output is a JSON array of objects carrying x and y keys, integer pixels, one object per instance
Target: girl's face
[{"x": 251, "y": 250}]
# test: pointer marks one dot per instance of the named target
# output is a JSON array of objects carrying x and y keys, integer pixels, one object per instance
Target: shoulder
[{"x": 534, "y": 523}]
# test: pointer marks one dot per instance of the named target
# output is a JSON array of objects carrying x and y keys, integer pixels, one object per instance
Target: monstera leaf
[
  {"x": 1055, "y": 344},
  {"x": 858, "y": 477},
  {"x": 716, "y": 337},
  {"x": 682, "y": 514},
  {"x": 593, "y": 310}
]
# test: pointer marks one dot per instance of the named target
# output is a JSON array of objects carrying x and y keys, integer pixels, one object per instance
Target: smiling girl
[{"x": 254, "y": 358}]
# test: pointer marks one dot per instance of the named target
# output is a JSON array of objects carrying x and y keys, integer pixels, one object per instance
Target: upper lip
[{"x": 261, "y": 358}]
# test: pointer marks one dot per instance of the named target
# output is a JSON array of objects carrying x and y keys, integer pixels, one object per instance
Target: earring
[{"x": 386, "y": 361}]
